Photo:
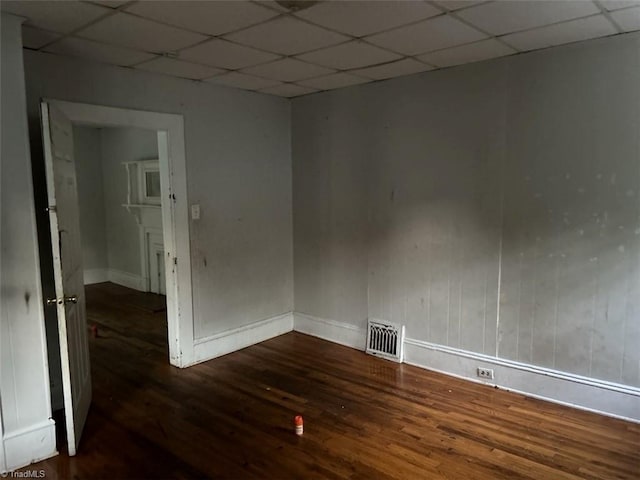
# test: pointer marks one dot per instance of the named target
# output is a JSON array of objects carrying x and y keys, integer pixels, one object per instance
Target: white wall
[
  {"x": 26, "y": 431},
  {"x": 493, "y": 209},
  {"x": 238, "y": 170},
  {"x": 123, "y": 240},
  {"x": 88, "y": 161}
]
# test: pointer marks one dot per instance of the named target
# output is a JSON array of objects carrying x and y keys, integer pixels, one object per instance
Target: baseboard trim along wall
[
  {"x": 332, "y": 330},
  {"x": 229, "y": 341},
  {"x": 598, "y": 396},
  {"x": 611, "y": 399},
  {"x": 126, "y": 279},
  {"x": 119, "y": 277},
  {"x": 96, "y": 275},
  {"x": 30, "y": 445}
]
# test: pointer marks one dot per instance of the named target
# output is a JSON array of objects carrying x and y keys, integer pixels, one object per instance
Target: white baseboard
[
  {"x": 126, "y": 279},
  {"x": 332, "y": 330},
  {"x": 597, "y": 396},
  {"x": 96, "y": 275},
  {"x": 30, "y": 445},
  {"x": 235, "y": 339}
]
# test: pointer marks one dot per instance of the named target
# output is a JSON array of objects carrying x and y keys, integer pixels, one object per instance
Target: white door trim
[{"x": 175, "y": 215}]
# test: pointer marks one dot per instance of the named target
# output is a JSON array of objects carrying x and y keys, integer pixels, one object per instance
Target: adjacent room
[{"x": 320, "y": 239}]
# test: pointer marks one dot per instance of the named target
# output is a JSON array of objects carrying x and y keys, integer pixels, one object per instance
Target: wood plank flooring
[{"x": 364, "y": 418}]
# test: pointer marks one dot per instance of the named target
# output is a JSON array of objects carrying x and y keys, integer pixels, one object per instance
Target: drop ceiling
[{"x": 296, "y": 48}]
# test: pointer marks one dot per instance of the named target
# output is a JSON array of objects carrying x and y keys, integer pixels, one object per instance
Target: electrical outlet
[{"x": 486, "y": 373}]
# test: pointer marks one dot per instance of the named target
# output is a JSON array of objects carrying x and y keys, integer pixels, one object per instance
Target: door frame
[{"x": 175, "y": 210}]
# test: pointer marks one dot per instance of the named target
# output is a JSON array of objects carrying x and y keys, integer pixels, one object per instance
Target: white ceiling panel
[
  {"x": 335, "y": 80},
  {"x": 406, "y": 66},
  {"x": 99, "y": 52},
  {"x": 221, "y": 53},
  {"x": 134, "y": 32},
  {"x": 361, "y": 18},
  {"x": 110, "y": 3},
  {"x": 36, "y": 38},
  {"x": 452, "y": 5},
  {"x": 178, "y": 68},
  {"x": 244, "y": 81},
  {"x": 629, "y": 19},
  {"x": 287, "y": 36},
  {"x": 576, "y": 30},
  {"x": 288, "y": 70},
  {"x": 432, "y": 34},
  {"x": 210, "y": 17},
  {"x": 618, "y": 4},
  {"x": 288, "y": 90},
  {"x": 355, "y": 54},
  {"x": 61, "y": 17},
  {"x": 472, "y": 52},
  {"x": 503, "y": 17}
]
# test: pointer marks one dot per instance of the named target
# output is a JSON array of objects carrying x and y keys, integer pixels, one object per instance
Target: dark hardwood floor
[{"x": 364, "y": 418}]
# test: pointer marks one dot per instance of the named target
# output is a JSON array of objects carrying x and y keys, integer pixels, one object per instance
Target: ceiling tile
[
  {"x": 335, "y": 80},
  {"x": 432, "y": 34},
  {"x": 134, "y": 32},
  {"x": 110, "y": 3},
  {"x": 212, "y": 17},
  {"x": 288, "y": 70},
  {"x": 61, "y": 17},
  {"x": 573, "y": 31},
  {"x": 452, "y": 5},
  {"x": 511, "y": 16},
  {"x": 178, "y": 68},
  {"x": 629, "y": 19},
  {"x": 288, "y": 90},
  {"x": 361, "y": 18},
  {"x": 472, "y": 52},
  {"x": 355, "y": 54},
  {"x": 36, "y": 38},
  {"x": 272, "y": 4},
  {"x": 287, "y": 36},
  {"x": 221, "y": 53},
  {"x": 617, "y": 4},
  {"x": 406, "y": 66},
  {"x": 99, "y": 52},
  {"x": 242, "y": 80}
]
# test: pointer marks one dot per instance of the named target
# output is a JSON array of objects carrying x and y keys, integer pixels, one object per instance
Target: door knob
[{"x": 71, "y": 299}]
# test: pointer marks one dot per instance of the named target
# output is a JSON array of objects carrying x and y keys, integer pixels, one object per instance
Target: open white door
[{"x": 67, "y": 266}]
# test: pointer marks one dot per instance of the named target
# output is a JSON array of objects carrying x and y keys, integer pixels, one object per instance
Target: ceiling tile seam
[
  {"x": 481, "y": 30},
  {"x": 268, "y": 6},
  {"x": 133, "y": 14},
  {"x": 177, "y": 53},
  {"x": 553, "y": 24},
  {"x": 608, "y": 16},
  {"x": 377, "y": 32},
  {"x": 583, "y": 17},
  {"x": 108, "y": 13},
  {"x": 467, "y": 7}
]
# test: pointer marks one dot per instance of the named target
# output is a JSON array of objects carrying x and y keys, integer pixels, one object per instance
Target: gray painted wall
[
  {"x": 122, "y": 232},
  {"x": 412, "y": 198},
  {"x": 24, "y": 381},
  {"x": 238, "y": 170},
  {"x": 88, "y": 158},
  {"x": 110, "y": 234}
]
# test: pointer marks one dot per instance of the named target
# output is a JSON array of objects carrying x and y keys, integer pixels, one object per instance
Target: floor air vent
[{"x": 385, "y": 340}]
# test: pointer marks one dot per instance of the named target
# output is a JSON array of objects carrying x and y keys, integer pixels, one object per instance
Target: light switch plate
[{"x": 195, "y": 211}]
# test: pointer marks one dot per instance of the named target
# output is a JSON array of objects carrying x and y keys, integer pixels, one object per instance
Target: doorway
[{"x": 162, "y": 185}]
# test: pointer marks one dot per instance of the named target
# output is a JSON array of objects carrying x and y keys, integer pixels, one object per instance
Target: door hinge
[
  {"x": 175, "y": 260},
  {"x": 51, "y": 208}
]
